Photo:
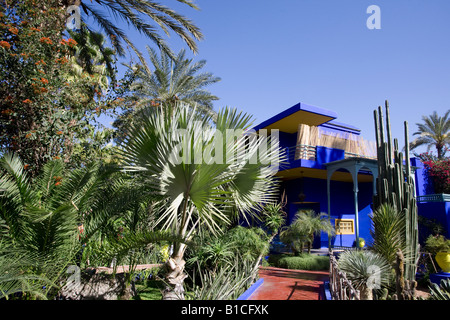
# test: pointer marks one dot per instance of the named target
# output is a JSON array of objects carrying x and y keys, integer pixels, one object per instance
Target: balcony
[{"x": 313, "y": 153}]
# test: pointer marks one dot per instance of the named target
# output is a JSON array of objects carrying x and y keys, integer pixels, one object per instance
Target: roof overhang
[
  {"x": 341, "y": 175},
  {"x": 288, "y": 120}
]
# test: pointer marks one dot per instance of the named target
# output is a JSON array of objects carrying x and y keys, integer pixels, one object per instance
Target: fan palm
[
  {"x": 139, "y": 14},
  {"x": 182, "y": 157},
  {"x": 367, "y": 270},
  {"x": 434, "y": 131}
]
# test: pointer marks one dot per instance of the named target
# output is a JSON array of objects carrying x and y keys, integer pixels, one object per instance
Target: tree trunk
[
  {"x": 366, "y": 293},
  {"x": 175, "y": 276}
]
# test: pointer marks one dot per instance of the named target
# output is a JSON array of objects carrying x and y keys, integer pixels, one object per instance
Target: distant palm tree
[
  {"x": 92, "y": 56},
  {"x": 139, "y": 14},
  {"x": 434, "y": 131},
  {"x": 173, "y": 80},
  {"x": 170, "y": 81}
]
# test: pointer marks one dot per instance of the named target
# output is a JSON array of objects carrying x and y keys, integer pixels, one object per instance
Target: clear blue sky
[{"x": 274, "y": 54}]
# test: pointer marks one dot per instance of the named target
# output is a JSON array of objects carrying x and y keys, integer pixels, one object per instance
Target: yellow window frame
[{"x": 344, "y": 226}]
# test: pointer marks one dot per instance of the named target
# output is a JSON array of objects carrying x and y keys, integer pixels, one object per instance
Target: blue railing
[
  {"x": 442, "y": 197},
  {"x": 301, "y": 151},
  {"x": 309, "y": 152}
]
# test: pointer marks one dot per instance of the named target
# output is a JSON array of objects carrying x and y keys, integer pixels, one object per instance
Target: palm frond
[
  {"x": 387, "y": 228},
  {"x": 365, "y": 268}
]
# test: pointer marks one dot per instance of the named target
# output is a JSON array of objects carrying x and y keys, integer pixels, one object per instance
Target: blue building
[{"x": 331, "y": 168}]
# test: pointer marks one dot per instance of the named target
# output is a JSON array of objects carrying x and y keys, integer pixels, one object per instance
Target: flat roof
[{"x": 301, "y": 113}]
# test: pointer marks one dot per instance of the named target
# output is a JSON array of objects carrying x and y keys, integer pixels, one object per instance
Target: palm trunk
[
  {"x": 175, "y": 265},
  {"x": 175, "y": 276},
  {"x": 366, "y": 293}
]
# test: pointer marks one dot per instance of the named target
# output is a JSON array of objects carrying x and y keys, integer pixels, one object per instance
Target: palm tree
[
  {"x": 434, "y": 131},
  {"x": 92, "y": 56},
  {"x": 307, "y": 224},
  {"x": 173, "y": 80},
  {"x": 367, "y": 270},
  {"x": 139, "y": 14},
  {"x": 170, "y": 81},
  {"x": 42, "y": 218},
  {"x": 182, "y": 158}
]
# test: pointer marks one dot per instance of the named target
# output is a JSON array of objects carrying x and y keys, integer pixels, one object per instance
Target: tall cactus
[{"x": 395, "y": 186}]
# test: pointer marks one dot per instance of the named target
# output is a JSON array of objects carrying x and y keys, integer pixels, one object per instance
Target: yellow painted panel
[
  {"x": 344, "y": 226},
  {"x": 290, "y": 123}
]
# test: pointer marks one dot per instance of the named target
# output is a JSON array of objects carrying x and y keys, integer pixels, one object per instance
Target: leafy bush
[
  {"x": 435, "y": 244},
  {"x": 439, "y": 172},
  {"x": 302, "y": 262}
]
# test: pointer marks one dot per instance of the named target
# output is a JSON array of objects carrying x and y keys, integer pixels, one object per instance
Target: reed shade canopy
[{"x": 352, "y": 144}]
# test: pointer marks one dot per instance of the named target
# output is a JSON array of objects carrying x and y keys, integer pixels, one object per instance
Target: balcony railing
[
  {"x": 442, "y": 197},
  {"x": 301, "y": 151},
  {"x": 309, "y": 152}
]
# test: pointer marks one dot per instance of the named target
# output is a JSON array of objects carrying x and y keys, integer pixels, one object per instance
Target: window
[{"x": 344, "y": 226}]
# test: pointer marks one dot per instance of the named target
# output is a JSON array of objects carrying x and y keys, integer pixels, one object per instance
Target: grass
[
  {"x": 149, "y": 290},
  {"x": 304, "y": 261}
]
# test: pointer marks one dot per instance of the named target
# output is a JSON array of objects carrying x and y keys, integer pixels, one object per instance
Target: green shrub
[{"x": 301, "y": 262}]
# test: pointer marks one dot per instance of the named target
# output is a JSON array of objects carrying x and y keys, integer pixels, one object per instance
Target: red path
[{"x": 284, "y": 284}]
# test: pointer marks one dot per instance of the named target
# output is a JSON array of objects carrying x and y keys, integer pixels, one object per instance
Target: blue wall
[
  {"x": 424, "y": 184},
  {"x": 342, "y": 205},
  {"x": 439, "y": 211}
]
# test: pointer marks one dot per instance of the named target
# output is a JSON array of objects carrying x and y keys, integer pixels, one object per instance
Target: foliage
[
  {"x": 305, "y": 226},
  {"x": 438, "y": 170},
  {"x": 434, "y": 131},
  {"x": 149, "y": 290},
  {"x": 171, "y": 80},
  {"x": 441, "y": 291},
  {"x": 273, "y": 217},
  {"x": 92, "y": 57},
  {"x": 395, "y": 186},
  {"x": 206, "y": 194},
  {"x": 304, "y": 261},
  {"x": 387, "y": 228},
  {"x": 211, "y": 252},
  {"x": 139, "y": 15},
  {"x": 42, "y": 110},
  {"x": 62, "y": 213},
  {"x": 228, "y": 283},
  {"x": 366, "y": 269},
  {"x": 41, "y": 218},
  {"x": 438, "y": 243}
]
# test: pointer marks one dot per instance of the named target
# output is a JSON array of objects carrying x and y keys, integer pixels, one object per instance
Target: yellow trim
[
  {"x": 295, "y": 173},
  {"x": 349, "y": 226},
  {"x": 290, "y": 123}
]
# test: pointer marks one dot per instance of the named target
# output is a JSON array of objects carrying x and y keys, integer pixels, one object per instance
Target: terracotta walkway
[{"x": 284, "y": 284}]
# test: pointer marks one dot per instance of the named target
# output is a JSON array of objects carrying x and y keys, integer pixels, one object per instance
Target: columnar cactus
[{"x": 395, "y": 186}]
